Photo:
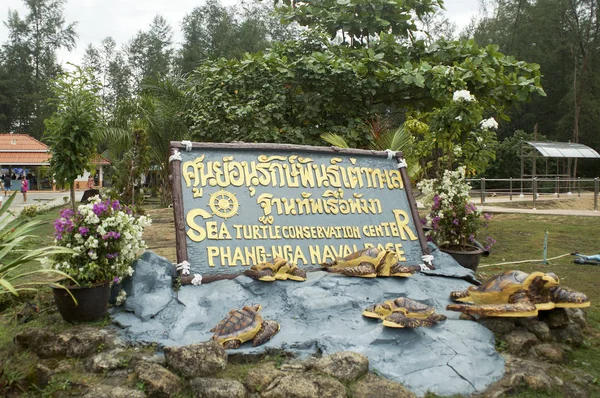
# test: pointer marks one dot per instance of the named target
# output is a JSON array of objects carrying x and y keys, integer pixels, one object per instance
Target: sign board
[{"x": 237, "y": 205}]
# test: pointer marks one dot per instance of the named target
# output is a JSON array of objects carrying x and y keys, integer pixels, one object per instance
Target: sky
[{"x": 122, "y": 19}]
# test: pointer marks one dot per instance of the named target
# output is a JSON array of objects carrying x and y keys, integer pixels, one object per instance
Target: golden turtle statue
[
  {"x": 370, "y": 263},
  {"x": 516, "y": 294},
  {"x": 404, "y": 313},
  {"x": 244, "y": 325},
  {"x": 279, "y": 269}
]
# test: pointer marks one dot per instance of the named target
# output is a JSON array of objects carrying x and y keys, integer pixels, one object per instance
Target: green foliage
[
  {"x": 13, "y": 234},
  {"x": 72, "y": 129},
  {"x": 508, "y": 156},
  {"x": 30, "y": 211}
]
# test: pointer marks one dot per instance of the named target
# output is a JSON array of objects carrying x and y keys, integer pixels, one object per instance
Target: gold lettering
[
  {"x": 402, "y": 220},
  {"x": 196, "y": 233},
  {"x": 213, "y": 252}
]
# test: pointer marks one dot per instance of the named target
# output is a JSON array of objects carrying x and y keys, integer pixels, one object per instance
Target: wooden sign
[{"x": 237, "y": 205}]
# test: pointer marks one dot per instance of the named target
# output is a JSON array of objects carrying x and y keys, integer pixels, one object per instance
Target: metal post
[
  {"x": 545, "y": 248},
  {"x": 482, "y": 190},
  {"x": 510, "y": 190},
  {"x": 579, "y": 187},
  {"x": 534, "y": 191},
  {"x": 596, "y": 183},
  {"x": 558, "y": 187}
]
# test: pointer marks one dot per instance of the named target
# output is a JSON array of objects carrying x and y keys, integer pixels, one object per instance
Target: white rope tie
[
  {"x": 184, "y": 267},
  {"x": 427, "y": 262},
  {"x": 175, "y": 156},
  {"x": 188, "y": 145},
  {"x": 197, "y": 280},
  {"x": 402, "y": 164},
  {"x": 390, "y": 154}
]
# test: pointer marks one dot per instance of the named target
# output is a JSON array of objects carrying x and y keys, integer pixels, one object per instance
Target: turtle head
[
  {"x": 551, "y": 279},
  {"x": 542, "y": 279},
  {"x": 383, "y": 309},
  {"x": 256, "y": 307}
]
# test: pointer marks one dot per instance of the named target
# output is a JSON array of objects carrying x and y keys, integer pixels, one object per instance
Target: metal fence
[{"x": 522, "y": 188}]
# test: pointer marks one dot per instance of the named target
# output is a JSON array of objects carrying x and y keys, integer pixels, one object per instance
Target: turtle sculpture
[
  {"x": 516, "y": 294},
  {"x": 243, "y": 325},
  {"x": 279, "y": 269},
  {"x": 370, "y": 263},
  {"x": 404, "y": 313}
]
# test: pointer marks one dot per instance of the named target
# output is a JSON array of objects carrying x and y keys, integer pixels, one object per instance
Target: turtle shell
[
  {"x": 499, "y": 282},
  {"x": 240, "y": 325}
]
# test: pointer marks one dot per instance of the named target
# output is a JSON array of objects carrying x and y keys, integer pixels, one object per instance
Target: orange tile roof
[
  {"x": 24, "y": 150},
  {"x": 20, "y": 142},
  {"x": 24, "y": 158}
]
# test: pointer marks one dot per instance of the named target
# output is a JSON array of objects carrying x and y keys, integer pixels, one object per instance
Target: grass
[{"x": 520, "y": 237}]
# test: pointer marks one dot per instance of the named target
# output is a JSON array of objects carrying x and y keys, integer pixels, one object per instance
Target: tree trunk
[{"x": 73, "y": 205}]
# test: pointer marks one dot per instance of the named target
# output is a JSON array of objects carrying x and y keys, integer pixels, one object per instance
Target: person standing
[
  {"x": 24, "y": 189},
  {"x": 7, "y": 183},
  {"x": 91, "y": 182}
]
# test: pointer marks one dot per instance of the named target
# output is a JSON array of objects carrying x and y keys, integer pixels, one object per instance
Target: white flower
[
  {"x": 459, "y": 118},
  {"x": 457, "y": 150},
  {"x": 121, "y": 298},
  {"x": 489, "y": 124},
  {"x": 462, "y": 95}
]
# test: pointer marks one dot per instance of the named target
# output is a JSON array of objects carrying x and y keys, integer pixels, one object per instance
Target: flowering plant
[
  {"x": 106, "y": 239},
  {"x": 453, "y": 218}
]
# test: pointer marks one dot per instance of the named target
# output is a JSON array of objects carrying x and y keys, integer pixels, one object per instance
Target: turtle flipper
[
  {"x": 364, "y": 270},
  {"x": 400, "y": 320},
  {"x": 564, "y": 298},
  {"x": 232, "y": 344},
  {"x": 520, "y": 309},
  {"x": 267, "y": 331},
  {"x": 369, "y": 312},
  {"x": 265, "y": 275},
  {"x": 403, "y": 271},
  {"x": 460, "y": 295},
  {"x": 297, "y": 274}
]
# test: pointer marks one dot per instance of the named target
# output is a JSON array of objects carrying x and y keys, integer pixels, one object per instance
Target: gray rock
[
  {"x": 324, "y": 315},
  {"x": 217, "y": 388},
  {"x": 74, "y": 343},
  {"x": 149, "y": 290},
  {"x": 104, "y": 391},
  {"x": 550, "y": 352},
  {"x": 571, "y": 335},
  {"x": 519, "y": 341},
  {"x": 196, "y": 360},
  {"x": 539, "y": 381},
  {"x": 498, "y": 326},
  {"x": 261, "y": 376},
  {"x": 373, "y": 386},
  {"x": 556, "y": 318},
  {"x": 158, "y": 381},
  {"x": 305, "y": 386},
  {"x": 573, "y": 390},
  {"x": 107, "y": 360},
  {"x": 578, "y": 316},
  {"x": 345, "y": 366},
  {"x": 537, "y": 327},
  {"x": 43, "y": 375}
]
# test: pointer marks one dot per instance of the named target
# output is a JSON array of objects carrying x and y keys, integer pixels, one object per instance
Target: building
[{"x": 23, "y": 156}]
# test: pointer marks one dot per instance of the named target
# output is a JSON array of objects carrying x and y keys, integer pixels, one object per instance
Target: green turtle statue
[
  {"x": 404, "y": 313},
  {"x": 244, "y": 325},
  {"x": 370, "y": 263},
  {"x": 516, "y": 294},
  {"x": 279, "y": 269}
]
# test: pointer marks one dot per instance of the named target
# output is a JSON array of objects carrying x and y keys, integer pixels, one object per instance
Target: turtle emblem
[
  {"x": 404, "y": 313},
  {"x": 370, "y": 263},
  {"x": 516, "y": 294},
  {"x": 244, "y": 325},
  {"x": 279, "y": 269}
]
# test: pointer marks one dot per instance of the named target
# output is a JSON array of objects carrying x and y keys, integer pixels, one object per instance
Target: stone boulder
[
  {"x": 261, "y": 376},
  {"x": 196, "y": 360},
  {"x": 345, "y": 366},
  {"x": 571, "y": 335},
  {"x": 107, "y": 360},
  {"x": 537, "y": 327},
  {"x": 73, "y": 343},
  {"x": 498, "y": 326},
  {"x": 548, "y": 351},
  {"x": 519, "y": 341},
  {"x": 218, "y": 388},
  {"x": 305, "y": 385},
  {"x": 373, "y": 386},
  {"x": 104, "y": 391},
  {"x": 158, "y": 381},
  {"x": 578, "y": 316},
  {"x": 556, "y": 318}
]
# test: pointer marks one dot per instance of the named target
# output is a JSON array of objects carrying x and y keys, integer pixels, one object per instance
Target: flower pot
[
  {"x": 92, "y": 302},
  {"x": 468, "y": 258}
]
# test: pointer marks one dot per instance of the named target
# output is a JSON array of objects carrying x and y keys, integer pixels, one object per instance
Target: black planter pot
[
  {"x": 467, "y": 258},
  {"x": 92, "y": 302}
]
